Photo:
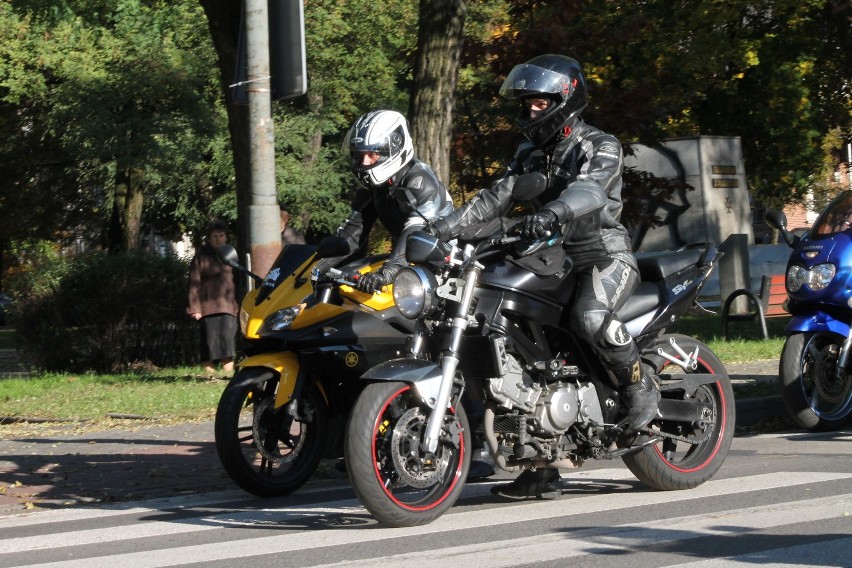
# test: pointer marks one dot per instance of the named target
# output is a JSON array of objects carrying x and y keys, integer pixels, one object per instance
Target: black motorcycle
[{"x": 491, "y": 327}]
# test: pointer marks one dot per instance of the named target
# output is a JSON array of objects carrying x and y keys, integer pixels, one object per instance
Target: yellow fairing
[
  {"x": 286, "y": 364},
  {"x": 381, "y": 301},
  {"x": 284, "y": 296}
]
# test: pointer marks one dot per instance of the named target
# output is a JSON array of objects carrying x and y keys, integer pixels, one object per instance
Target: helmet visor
[
  {"x": 367, "y": 159},
  {"x": 385, "y": 148},
  {"x": 528, "y": 80}
]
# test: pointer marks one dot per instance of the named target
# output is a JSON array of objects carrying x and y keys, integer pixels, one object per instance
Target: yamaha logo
[{"x": 351, "y": 359}]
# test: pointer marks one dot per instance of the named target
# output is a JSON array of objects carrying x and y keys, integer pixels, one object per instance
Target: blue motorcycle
[{"x": 815, "y": 373}]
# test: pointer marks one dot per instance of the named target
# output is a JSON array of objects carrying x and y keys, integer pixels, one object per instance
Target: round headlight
[
  {"x": 282, "y": 319},
  {"x": 796, "y": 276},
  {"x": 820, "y": 276},
  {"x": 414, "y": 292}
]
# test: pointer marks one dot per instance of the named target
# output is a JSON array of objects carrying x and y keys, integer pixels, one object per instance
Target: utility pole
[{"x": 264, "y": 219}]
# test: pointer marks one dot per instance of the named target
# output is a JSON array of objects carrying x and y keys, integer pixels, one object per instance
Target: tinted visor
[
  {"x": 387, "y": 147},
  {"x": 527, "y": 80}
]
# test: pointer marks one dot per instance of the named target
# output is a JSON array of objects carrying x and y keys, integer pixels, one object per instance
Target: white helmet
[{"x": 386, "y": 133}]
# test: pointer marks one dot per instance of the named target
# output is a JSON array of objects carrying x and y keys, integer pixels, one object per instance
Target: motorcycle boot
[
  {"x": 640, "y": 394},
  {"x": 542, "y": 483}
]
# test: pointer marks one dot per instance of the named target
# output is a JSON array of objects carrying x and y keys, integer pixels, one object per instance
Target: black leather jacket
[
  {"x": 583, "y": 191},
  {"x": 412, "y": 194}
]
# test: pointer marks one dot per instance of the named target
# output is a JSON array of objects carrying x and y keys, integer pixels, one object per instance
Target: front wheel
[
  {"x": 265, "y": 450},
  {"x": 399, "y": 483},
  {"x": 814, "y": 396},
  {"x": 692, "y": 452}
]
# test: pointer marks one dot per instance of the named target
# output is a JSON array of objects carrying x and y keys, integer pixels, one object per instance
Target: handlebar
[{"x": 340, "y": 277}]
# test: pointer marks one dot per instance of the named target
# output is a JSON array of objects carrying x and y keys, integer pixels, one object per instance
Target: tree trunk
[
  {"x": 315, "y": 102},
  {"x": 223, "y": 19},
  {"x": 126, "y": 216},
  {"x": 439, "y": 47}
]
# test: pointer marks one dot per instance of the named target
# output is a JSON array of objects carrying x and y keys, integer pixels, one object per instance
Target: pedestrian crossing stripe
[{"x": 454, "y": 521}]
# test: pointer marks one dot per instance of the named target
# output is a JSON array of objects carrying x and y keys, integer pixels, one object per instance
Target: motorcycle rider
[
  {"x": 583, "y": 200},
  {"x": 400, "y": 191},
  {"x": 396, "y": 188}
]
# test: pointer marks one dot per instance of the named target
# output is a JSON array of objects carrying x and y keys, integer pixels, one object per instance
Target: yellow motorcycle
[{"x": 305, "y": 348}]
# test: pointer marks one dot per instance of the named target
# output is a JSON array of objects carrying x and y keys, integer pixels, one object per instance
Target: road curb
[{"x": 751, "y": 411}]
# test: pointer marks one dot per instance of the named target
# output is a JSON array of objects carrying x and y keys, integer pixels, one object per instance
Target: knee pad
[
  {"x": 616, "y": 345},
  {"x": 615, "y": 334}
]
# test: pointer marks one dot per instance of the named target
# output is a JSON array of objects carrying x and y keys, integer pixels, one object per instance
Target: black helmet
[{"x": 553, "y": 77}]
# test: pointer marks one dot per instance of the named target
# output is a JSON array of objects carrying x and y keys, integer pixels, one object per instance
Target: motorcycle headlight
[
  {"x": 282, "y": 319},
  {"x": 821, "y": 276},
  {"x": 816, "y": 278},
  {"x": 414, "y": 292}
]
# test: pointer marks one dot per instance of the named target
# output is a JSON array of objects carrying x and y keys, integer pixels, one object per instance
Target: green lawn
[
  {"x": 746, "y": 342},
  {"x": 170, "y": 395}
]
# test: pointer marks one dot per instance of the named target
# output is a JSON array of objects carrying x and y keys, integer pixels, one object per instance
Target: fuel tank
[{"x": 555, "y": 289}]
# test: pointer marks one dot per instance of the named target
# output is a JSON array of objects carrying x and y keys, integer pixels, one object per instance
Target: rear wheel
[
  {"x": 399, "y": 483},
  {"x": 814, "y": 396},
  {"x": 692, "y": 452},
  {"x": 265, "y": 450}
]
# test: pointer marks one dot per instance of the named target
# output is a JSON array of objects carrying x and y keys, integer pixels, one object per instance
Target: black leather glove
[
  {"x": 538, "y": 225},
  {"x": 372, "y": 282},
  {"x": 440, "y": 229}
]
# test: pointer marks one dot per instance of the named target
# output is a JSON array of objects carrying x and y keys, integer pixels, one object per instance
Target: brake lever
[{"x": 341, "y": 277}]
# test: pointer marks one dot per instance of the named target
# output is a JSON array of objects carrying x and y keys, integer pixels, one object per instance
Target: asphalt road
[{"x": 779, "y": 500}]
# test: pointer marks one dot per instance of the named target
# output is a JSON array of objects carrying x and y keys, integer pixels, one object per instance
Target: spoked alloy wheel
[
  {"x": 812, "y": 393},
  {"x": 693, "y": 452},
  {"x": 399, "y": 483},
  {"x": 267, "y": 451}
]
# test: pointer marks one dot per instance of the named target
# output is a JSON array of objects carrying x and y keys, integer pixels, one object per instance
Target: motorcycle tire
[
  {"x": 812, "y": 395},
  {"x": 395, "y": 480},
  {"x": 266, "y": 451},
  {"x": 678, "y": 464}
]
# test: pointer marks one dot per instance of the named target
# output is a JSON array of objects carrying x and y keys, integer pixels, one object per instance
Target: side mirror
[
  {"x": 228, "y": 255},
  {"x": 332, "y": 246},
  {"x": 529, "y": 186},
  {"x": 421, "y": 247},
  {"x": 778, "y": 221},
  {"x": 775, "y": 219}
]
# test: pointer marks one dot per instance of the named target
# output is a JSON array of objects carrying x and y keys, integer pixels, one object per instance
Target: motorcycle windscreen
[
  {"x": 835, "y": 218},
  {"x": 288, "y": 262}
]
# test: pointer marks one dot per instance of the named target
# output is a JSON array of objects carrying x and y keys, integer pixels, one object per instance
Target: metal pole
[
  {"x": 849, "y": 164},
  {"x": 264, "y": 231}
]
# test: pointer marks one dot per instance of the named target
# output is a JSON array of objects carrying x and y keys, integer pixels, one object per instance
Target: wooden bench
[{"x": 770, "y": 302}]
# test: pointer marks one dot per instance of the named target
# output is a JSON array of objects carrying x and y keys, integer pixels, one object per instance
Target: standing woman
[{"x": 213, "y": 301}]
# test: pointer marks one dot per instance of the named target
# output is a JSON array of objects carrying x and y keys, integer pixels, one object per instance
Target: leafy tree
[
  {"x": 775, "y": 72},
  {"x": 358, "y": 59},
  {"x": 116, "y": 90}
]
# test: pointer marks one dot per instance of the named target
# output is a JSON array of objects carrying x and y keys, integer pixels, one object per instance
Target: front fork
[
  {"x": 843, "y": 357},
  {"x": 450, "y": 361}
]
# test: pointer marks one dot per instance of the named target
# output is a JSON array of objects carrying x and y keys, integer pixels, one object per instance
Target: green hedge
[{"x": 105, "y": 313}]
